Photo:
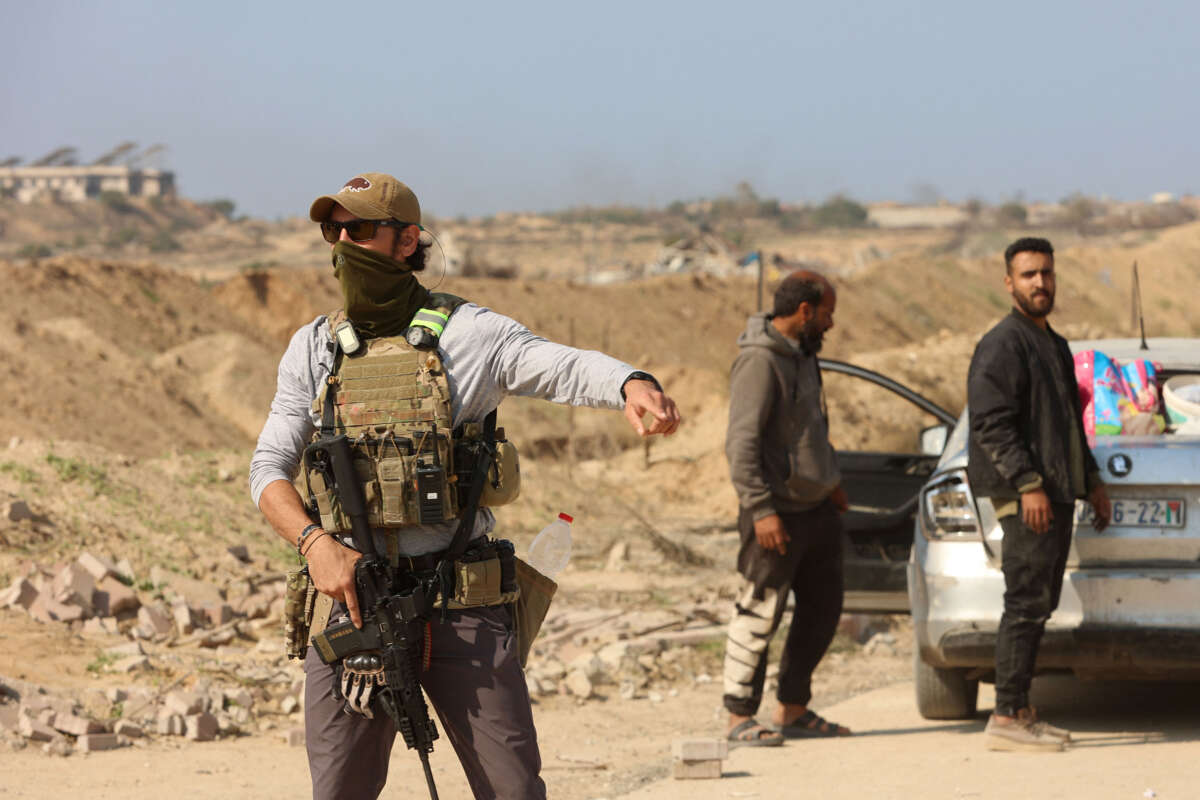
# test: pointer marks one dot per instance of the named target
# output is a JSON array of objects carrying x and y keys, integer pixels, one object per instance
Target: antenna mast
[{"x": 1137, "y": 306}]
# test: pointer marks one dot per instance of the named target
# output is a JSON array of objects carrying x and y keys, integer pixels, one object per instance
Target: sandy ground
[{"x": 1132, "y": 739}]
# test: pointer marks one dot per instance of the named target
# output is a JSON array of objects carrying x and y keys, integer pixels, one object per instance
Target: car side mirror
[{"x": 933, "y": 439}]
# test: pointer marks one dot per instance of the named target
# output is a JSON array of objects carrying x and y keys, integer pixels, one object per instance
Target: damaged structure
[{"x": 58, "y": 176}]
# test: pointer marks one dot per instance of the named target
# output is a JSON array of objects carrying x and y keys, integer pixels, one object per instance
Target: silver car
[{"x": 1130, "y": 603}]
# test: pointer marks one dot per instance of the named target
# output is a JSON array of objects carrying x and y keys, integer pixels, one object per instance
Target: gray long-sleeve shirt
[{"x": 486, "y": 355}]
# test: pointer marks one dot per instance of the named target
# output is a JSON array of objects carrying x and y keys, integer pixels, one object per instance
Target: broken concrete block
[
  {"x": 183, "y": 618},
  {"x": 20, "y": 594},
  {"x": 218, "y": 638},
  {"x": 92, "y": 742},
  {"x": 10, "y": 714},
  {"x": 129, "y": 730},
  {"x": 688, "y": 770},
  {"x": 74, "y": 585},
  {"x": 75, "y": 725},
  {"x": 113, "y": 597},
  {"x": 590, "y": 665},
  {"x": 46, "y": 609},
  {"x": 125, "y": 569},
  {"x": 170, "y": 724},
  {"x": 184, "y": 703},
  {"x": 289, "y": 704},
  {"x": 700, "y": 749},
  {"x": 154, "y": 620},
  {"x": 197, "y": 593},
  {"x": 38, "y": 610},
  {"x": 618, "y": 556},
  {"x": 100, "y": 626},
  {"x": 578, "y": 684},
  {"x": 256, "y": 606},
  {"x": 99, "y": 566},
  {"x": 116, "y": 695},
  {"x": 202, "y": 727},
  {"x": 217, "y": 613},
  {"x": 58, "y": 747},
  {"x": 35, "y": 730},
  {"x": 294, "y": 737},
  {"x": 140, "y": 702}
]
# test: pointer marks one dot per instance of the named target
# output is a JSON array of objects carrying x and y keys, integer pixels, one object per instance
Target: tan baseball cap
[{"x": 370, "y": 195}]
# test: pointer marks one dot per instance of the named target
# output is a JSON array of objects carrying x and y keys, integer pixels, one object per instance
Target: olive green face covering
[{"x": 381, "y": 294}]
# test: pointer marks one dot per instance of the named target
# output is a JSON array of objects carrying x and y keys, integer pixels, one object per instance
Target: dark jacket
[
  {"x": 777, "y": 442},
  {"x": 1023, "y": 400}
]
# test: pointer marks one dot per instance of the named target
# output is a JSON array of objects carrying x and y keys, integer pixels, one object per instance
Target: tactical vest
[{"x": 392, "y": 400}]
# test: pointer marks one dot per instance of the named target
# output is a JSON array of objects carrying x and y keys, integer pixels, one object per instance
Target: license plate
[{"x": 1150, "y": 513}]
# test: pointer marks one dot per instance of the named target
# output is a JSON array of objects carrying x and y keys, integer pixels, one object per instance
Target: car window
[{"x": 864, "y": 416}]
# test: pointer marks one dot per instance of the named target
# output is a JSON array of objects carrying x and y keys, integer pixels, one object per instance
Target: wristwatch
[{"x": 640, "y": 376}]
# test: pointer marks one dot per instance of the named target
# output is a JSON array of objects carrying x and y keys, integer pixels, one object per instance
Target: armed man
[{"x": 386, "y": 409}]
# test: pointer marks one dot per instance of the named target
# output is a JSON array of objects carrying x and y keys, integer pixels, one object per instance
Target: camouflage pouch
[{"x": 299, "y": 599}]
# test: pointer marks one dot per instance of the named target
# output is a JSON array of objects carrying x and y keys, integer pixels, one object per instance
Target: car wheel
[{"x": 944, "y": 693}]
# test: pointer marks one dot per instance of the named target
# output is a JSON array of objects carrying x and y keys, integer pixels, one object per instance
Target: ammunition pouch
[
  {"x": 422, "y": 480},
  {"x": 300, "y": 598}
]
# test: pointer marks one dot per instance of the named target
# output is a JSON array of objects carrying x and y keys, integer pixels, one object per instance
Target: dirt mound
[{"x": 120, "y": 355}]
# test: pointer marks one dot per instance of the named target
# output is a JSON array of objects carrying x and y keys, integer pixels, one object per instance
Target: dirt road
[{"x": 1132, "y": 739}]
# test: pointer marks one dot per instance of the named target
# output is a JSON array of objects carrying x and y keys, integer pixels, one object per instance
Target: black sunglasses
[{"x": 359, "y": 230}]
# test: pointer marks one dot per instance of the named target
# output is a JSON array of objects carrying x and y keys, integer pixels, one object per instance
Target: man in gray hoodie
[{"x": 790, "y": 498}]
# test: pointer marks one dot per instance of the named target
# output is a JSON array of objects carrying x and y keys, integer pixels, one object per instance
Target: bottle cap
[{"x": 566, "y": 517}]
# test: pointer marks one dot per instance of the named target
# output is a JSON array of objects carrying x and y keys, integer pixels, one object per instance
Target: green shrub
[
  {"x": 34, "y": 251},
  {"x": 1012, "y": 214},
  {"x": 223, "y": 206},
  {"x": 122, "y": 237},
  {"x": 840, "y": 211},
  {"x": 115, "y": 201},
  {"x": 163, "y": 242}
]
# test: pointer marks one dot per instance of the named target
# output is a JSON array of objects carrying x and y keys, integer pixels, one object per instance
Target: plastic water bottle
[{"x": 551, "y": 549}]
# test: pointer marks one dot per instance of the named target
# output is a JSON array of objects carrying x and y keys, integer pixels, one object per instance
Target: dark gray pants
[
  {"x": 476, "y": 685},
  {"x": 812, "y": 570},
  {"x": 1033, "y": 566}
]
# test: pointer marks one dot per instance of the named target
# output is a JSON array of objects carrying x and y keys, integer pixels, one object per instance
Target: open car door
[{"x": 882, "y": 475}]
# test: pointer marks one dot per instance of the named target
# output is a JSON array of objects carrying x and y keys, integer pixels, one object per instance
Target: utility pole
[{"x": 758, "y": 257}]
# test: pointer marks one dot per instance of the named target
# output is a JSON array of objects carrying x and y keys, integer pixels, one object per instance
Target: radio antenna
[{"x": 1137, "y": 306}]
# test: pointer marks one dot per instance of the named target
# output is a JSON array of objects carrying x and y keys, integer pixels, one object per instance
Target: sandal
[
  {"x": 752, "y": 734},
  {"x": 811, "y": 725}
]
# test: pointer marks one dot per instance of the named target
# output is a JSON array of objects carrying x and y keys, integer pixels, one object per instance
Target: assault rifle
[{"x": 383, "y": 655}]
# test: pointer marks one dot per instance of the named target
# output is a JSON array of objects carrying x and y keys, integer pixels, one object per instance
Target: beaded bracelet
[{"x": 304, "y": 535}]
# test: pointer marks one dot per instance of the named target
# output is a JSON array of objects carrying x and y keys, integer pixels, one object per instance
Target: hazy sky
[{"x": 483, "y": 107}]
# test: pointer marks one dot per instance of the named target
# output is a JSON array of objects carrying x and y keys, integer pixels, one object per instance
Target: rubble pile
[
  {"x": 224, "y": 645},
  {"x": 201, "y": 660}
]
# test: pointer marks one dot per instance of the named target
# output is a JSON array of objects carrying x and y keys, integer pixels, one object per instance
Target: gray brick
[
  {"x": 92, "y": 742},
  {"x": 687, "y": 770}
]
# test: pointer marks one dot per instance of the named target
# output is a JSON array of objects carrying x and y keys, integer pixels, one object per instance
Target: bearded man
[
  {"x": 1028, "y": 454},
  {"x": 412, "y": 380},
  {"x": 790, "y": 499}
]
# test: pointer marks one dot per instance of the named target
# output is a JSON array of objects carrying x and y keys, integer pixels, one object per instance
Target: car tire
[{"x": 944, "y": 693}]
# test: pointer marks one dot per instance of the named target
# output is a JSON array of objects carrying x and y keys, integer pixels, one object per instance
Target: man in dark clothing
[
  {"x": 1028, "y": 453},
  {"x": 790, "y": 496}
]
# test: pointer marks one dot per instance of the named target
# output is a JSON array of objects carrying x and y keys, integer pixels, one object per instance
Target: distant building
[
  {"x": 74, "y": 183},
  {"x": 893, "y": 215}
]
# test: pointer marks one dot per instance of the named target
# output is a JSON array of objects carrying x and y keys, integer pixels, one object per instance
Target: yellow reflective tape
[{"x": 429, "y": 318}]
